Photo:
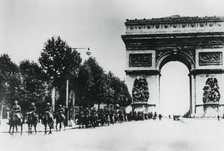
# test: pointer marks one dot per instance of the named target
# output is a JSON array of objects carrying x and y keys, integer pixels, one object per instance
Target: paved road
[{"x": 165, "y": 135}]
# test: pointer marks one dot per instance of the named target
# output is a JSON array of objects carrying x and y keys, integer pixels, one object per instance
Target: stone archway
[
  {"x": 183, "y": 57},
  {"x": 198, "y": 42}
]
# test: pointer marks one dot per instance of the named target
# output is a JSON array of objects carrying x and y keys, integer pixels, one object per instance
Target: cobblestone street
[{"x": 165, "y": 135}]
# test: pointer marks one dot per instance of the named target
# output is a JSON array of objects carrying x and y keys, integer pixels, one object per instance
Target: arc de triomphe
[{"x": 198, "y": 42}]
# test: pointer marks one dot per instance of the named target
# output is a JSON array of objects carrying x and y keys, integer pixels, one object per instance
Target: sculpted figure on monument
[
  {"x": 140, "y": 91},
  {"x": 211, "y": 91}
]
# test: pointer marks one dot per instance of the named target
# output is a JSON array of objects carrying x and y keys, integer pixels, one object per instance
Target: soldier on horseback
[
  {"x": 33, "y": 109},
  {"x": 16, "y": 107},
  {"x": 48, "y": 118},
  {"x": 48, "y": 110},
  {"x": 16, "y": 118},
  {"x": 32, "y": 118},
  {"x": 16, "y": 110},
  {"x": 60, "y": 117},
  {"x": 61, "y": 111}
]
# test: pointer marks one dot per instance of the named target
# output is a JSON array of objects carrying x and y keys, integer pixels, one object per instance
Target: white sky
[
  {"x": 26, "y": 24},
  {"x": 174, "y": 92}
]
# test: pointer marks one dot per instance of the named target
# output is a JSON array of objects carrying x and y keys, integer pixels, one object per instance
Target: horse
[
  {"x": 80, "y": 120},
  {"x": 104, "y": 118},
  {"x": 111, "y": 116},
  {"x": 84, "y": 119},
  {"x": 15, "y": 119},
  {"x": 32, "y": 120},
  {"x": 120, "y": 117},
  {"x": 47, "y": 120},
  {"x": 94, "y": 120},
  {"x": 60, "y": 118}
]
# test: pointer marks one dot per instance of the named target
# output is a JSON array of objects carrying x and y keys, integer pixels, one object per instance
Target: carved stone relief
[
  {"x": 140, "y": 91},
  {"x": 140, "y": 60},
  {"x": 210, "y": 58},
  {"x": 211, "y": 91}
]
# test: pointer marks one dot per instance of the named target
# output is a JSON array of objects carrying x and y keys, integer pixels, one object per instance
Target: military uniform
[{"x": 33, "y": 110}]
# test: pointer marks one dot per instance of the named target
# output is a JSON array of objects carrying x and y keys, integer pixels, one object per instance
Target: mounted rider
[
  {"x": 48, "y": 110},
  {"x": 33, "y": 109},
  {"x": 61, "y": 111},
  {"x": 16, "y": 110},
  {"x": 87, "y": 112}
]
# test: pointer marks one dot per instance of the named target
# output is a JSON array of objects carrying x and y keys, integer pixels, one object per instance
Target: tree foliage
[
  {"x": 117, "y": 91},
  {"x": 59, "y": 62},
  {"x": 33, "y": 84},
  {"x": 30, "y": 82},
  {"x": 10, "y": 80},
  {"x": 90, "y": 83},
  {"x": 96, "y": 87}
]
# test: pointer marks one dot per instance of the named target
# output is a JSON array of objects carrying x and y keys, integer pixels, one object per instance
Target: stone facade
[{"x": 198, "y": 42}]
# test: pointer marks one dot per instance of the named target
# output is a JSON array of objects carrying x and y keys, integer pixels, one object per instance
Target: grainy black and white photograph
[{"x": 111, "y": 75}]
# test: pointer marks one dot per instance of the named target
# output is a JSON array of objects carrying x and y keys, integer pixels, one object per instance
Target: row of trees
[{"x": 33, "y": 82}]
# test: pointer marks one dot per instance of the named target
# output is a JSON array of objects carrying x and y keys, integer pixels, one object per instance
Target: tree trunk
[{"x": 1, "y": 109}]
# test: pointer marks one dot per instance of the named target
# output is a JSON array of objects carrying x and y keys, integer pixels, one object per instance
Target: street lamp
[{"x": 88, "y": 53}]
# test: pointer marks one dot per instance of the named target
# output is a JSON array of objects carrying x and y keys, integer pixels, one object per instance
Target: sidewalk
[{"x": 4, "y": 127}]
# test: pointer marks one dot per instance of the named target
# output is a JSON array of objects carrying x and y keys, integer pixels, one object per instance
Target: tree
[
  {"x": 96, "y": 87},
  {"x": 117, "y": 91},
  {"x": 91, "y": 83},
  {"x": 10, "y": 80},
  {"x": 59, "y": 63},
  {"x": 125, "y": 97},
  {"x": 33, "y": 84}
]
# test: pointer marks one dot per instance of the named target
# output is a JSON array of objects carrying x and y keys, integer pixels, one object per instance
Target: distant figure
[
  {"x": 154, "y": 116},
  {"x": 218, "y": 117},
  {"x": 160, "y": 116},
  {"x": 169, "y": 117}
]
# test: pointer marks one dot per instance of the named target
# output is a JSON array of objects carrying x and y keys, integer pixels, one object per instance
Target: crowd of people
[{"x": 85, "y": 117}]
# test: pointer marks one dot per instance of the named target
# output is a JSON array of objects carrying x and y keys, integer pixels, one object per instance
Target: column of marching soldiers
[{"x": 86, "y": 117}]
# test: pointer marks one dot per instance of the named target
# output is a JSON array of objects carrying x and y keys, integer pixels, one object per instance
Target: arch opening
[
  {"x": 176, "y": 56},
  {"x": 174, "y": 88}
]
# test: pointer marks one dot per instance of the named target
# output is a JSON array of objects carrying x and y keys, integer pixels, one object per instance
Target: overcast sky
[{"x": 26, "y": 24}]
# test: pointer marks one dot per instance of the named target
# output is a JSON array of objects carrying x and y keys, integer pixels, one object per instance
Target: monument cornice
[
  {"x": 173, "y": 35},
  {"x": 145, "y": 72},
  {"x": 186, "y": 40},
  {"x": 206, "y": 71},
  {"x": 175, "y": 19},
  {"x": 174, "y": 24}
]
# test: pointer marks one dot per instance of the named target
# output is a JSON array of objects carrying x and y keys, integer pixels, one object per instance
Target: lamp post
[{"x": 88, "y": 53}]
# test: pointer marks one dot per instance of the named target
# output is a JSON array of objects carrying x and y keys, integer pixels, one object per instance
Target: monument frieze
[
  {"x": 140, "y": 60},
  {"x": 210, "y": 58}
]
